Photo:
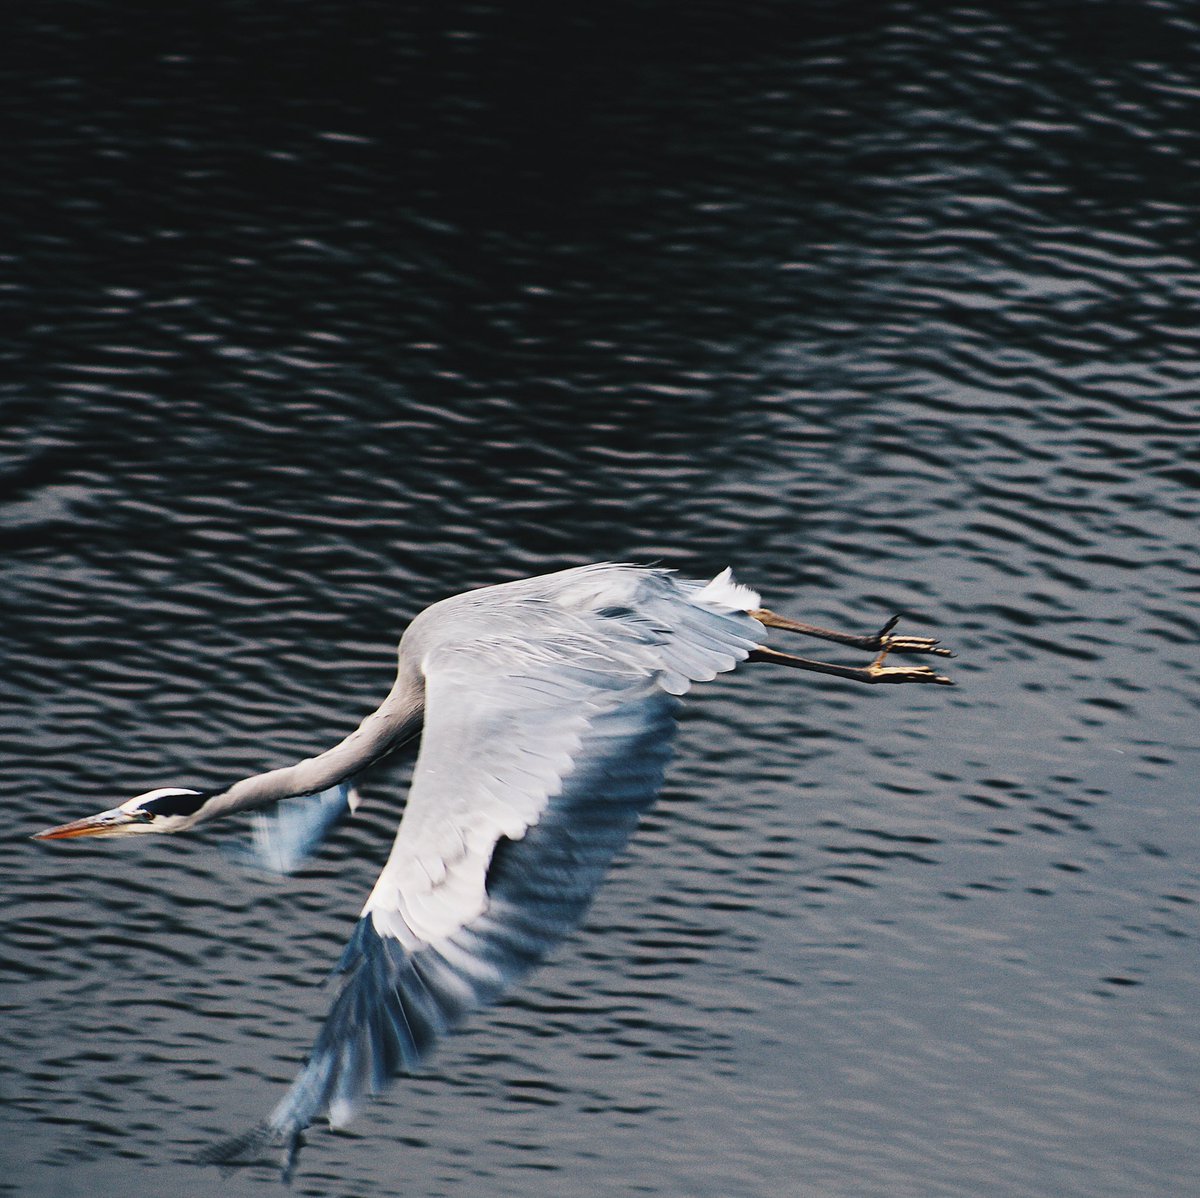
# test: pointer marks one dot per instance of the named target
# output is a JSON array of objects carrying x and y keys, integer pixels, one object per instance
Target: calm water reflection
[{"x": 320, "y": 314}]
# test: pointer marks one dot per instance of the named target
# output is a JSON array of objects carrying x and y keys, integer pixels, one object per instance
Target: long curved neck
[{"x": 397, "y": 719}]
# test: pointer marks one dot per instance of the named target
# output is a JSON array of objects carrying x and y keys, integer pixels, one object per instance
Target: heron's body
[{"x": 547, "y": 707}]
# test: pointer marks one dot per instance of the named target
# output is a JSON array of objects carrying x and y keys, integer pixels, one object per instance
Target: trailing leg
[
  {"x": 876, "y": 672},
  {"x": 882, "y": 641}
]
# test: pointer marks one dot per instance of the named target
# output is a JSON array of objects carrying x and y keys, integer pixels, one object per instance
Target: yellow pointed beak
[{"x": 107, "y": 823}]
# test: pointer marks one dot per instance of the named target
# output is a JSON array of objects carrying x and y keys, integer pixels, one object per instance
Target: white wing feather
[{"x": 549, "y": 708}]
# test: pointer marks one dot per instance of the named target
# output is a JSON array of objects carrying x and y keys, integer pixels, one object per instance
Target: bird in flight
[{"x": 546, "y": 708}]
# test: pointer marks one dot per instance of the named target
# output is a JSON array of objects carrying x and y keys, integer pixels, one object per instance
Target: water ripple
[{"x": 891, "y": 310}]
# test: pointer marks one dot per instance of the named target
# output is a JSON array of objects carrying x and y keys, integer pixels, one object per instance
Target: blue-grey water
[{"x": 315, "y": 314}]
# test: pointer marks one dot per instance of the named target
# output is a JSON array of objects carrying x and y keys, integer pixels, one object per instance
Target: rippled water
[{"x": 319, "y": 314}]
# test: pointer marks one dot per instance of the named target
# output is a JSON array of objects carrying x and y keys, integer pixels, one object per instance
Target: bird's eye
[{"x": 174, "y": 802}]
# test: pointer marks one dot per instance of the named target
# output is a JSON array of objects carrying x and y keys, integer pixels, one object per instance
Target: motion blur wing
[{"x": 284, "y": 836}]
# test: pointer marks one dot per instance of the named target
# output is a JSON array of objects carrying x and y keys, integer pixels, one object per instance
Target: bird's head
[{"x": 168, "y": 809}]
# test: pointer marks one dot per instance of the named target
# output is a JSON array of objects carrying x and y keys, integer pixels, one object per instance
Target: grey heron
[{"x": 546, "y": 709}]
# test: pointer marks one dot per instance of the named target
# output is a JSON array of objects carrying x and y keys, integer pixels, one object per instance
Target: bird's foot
[
  {"x": 878, "y": 672},
  {"x": 885, "y": 641}
]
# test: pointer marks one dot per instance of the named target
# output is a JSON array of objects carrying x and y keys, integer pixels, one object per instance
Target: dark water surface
[{"x": 318, "y": 313}]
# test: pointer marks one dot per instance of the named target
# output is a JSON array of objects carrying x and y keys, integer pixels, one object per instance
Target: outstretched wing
[{"x": 540, "y": 749}]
